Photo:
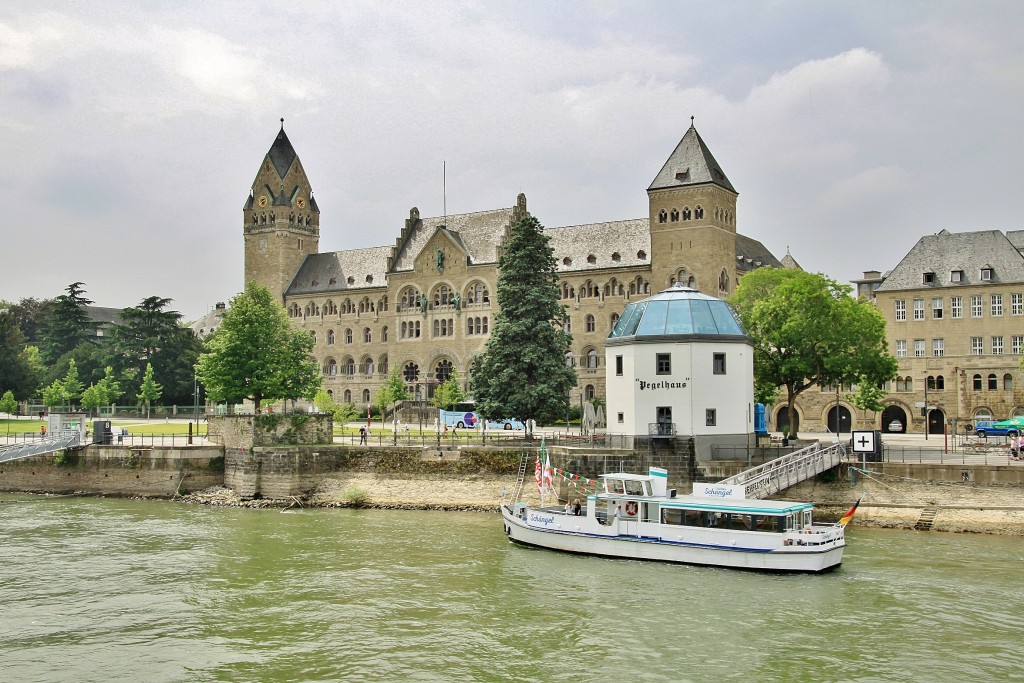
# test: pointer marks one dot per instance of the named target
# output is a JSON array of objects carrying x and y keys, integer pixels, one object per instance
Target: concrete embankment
[{"x": 971, "y": 498}]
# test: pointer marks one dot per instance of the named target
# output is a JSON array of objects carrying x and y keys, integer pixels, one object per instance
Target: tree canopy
[
  {"x": 807, "y": 330},
  {"x": 67, "y": 324},
  {"x": 522, "y": 372},
  {"x": 255, "y": 354},
  {"x": 17, "y": 372}
]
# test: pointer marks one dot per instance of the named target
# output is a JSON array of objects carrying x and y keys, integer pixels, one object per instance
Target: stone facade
[
  {"x": 426, "y": 304},
  {"x": 269, "y": 429}
]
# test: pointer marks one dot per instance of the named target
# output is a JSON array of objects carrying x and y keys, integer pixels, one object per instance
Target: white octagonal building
[{"x": 678, "y": 364}]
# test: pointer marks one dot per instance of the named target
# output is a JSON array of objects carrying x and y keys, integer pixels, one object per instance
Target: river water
[{"x": 119, "y": 590}]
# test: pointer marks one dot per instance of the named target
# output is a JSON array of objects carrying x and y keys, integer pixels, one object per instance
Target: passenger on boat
[
  {"x": 576, "y": 507},
  {"x": 568, "y": 507}
]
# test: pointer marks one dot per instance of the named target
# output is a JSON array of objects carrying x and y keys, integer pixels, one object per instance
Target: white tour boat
[{"x": 637, "y": 517}]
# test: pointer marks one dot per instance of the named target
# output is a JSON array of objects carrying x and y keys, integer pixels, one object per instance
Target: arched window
[
  {"x": 348, "y": 335},
  {"x": 686, "y": 213},
  {"x": 348, "y": 396},
  {"x": 698, "y": 213},
  {"x": 592, "y": 360},
  {"x": 350, "y": 367},
  {"x": 662, "y": 216},
  {"x": 589, "y": 392},
  {"x": 1007, "y": 382},
  {"x": 614, "y": 319},
  {"x": 976, "y": 384},
  {"x": 443, "y": 370},
  {"x": 993, "y": 383},
  {"x": 384, "y": 333},
  {"x": 567, "y": 325},
  {"x": 723, "y": 282},
  {"x": 366, "y": 392},
  {"x": 367, "y": 335},
  {"x": 312, "y": 333},
  {"x": 330, "y": 367},
  {"x": 382, "y": 364},
  {"x": 940, "y": 383},
  {"x": 900, "y": 384},
  {"x": 409, "y": 298},
  {"x": 674, "y": 216},
  {"x": 910, "y": 384},
  {"x": 569, "y": 360},
  {"x": 411, "y": 372},
  {"x": 442, "y": 296},
  {"x": 330, "y": 336},
  {"x": 591, "y": 323}
]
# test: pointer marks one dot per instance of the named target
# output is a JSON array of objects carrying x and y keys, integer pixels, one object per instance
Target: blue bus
[{"x": 465, "y": 416}]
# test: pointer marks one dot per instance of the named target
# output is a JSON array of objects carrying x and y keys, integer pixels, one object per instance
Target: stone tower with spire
[
  {"x": 693, "y": 221},
  {"x": 282, "y": 221}
]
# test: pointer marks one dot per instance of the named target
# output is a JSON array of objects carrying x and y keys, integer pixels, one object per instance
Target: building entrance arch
[
  {"x": 782, "y": 420},
  {"x": 936, "y": 421},
  {"x": 844, "y": 420},
  {"x": 892, "y": 414}
]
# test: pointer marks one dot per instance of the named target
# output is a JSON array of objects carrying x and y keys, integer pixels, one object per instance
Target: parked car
[
  {"x": 895, "y": 427},
  {"x": 987, "y": 428}
]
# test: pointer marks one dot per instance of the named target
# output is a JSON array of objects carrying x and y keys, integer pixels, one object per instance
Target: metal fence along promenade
[{"x": 39, "y": 446}]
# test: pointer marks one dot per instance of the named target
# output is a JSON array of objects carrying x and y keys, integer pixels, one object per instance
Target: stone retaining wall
[{"x": 117, "y": 471}]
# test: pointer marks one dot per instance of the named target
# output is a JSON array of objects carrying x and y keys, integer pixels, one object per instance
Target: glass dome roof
[{"x": 678, "y": 311}]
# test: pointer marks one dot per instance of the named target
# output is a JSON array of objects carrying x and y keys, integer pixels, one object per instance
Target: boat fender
[{"x": 631, "y": 508}]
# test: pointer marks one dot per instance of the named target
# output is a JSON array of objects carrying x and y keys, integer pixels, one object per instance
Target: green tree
[
  {"x": 150, "y": 334},
  {"x": 8, "y": 405},
  {"x": 449, "y": 392},
  {"x": 807, "y": 330},
  {"x": 92, "y": 398},
  {"x": 109, "y": 388},
  {"x": 150, "y": 390},
  {"x": 29, "y": 315},
  {"x": 67, "y": 324},
  {"x": 390, "y": 393},
  {"x": 17, "y": 370},
  {"x": 54, "y": 394},
  {"x": 72, "y": 385},
  {"x": 522, "y": 372},
  {"x": 255, "y": 354},
  {"x": 342, "y": 414},
  {"x": 868, "y": 395}
]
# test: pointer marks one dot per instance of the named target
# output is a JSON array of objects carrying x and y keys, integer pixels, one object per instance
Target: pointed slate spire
[
  {"x": 691, "y": 163},
  {"x": 281, "y": 153}
]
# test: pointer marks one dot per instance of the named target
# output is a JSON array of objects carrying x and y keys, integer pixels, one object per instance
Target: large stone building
[
  {"x": 954, "y": 317},
  {"x": 426, "y": 303}
]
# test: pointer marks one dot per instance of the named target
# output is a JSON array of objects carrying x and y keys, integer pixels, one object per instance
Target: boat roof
[
  {"x": 631, "y": 477},
  {"x": 744, "y": 505}
]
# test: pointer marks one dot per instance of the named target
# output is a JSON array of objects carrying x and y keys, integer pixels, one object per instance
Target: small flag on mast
[{"x": 849, "y": 515}]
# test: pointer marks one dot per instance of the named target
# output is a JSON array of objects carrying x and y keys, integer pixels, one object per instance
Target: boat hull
[{"x": 721, "y": 552}]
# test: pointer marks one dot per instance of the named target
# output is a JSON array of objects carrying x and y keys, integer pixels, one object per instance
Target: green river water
[{"x": 119, "y": 590}]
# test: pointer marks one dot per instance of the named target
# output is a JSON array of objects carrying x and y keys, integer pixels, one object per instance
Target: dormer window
[
  {"x": 315, "y": 283},
  {"x": 369, "y": 279},
  {"x": 928, "y": 277},
  {"x": 956, "y": 276},
  {"x": 351, "y": 280},
  {"x": 591, "y": 258},
  {"x": 332, "y": 281},
  {"x": 986, "y": 274},
  {"x": 567, "y": 261},
  {"x": 683, "y": 175},
  {"x": 616, "y": 256},
  {"x": 641, "y": 254}
]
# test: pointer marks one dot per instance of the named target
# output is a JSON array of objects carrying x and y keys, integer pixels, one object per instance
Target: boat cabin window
[
  {"x": 723, "y": 520},
  {"x": 636, "y": 488},
  {"x": 807, "y": 517},
  {"x": 614, "y": 486}
]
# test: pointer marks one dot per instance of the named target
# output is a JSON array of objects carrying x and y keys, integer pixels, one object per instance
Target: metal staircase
[
  {"x": 927, "y": 519},
  {"x": 781, "y": 473},
  {"x": 47, "y": 444}
]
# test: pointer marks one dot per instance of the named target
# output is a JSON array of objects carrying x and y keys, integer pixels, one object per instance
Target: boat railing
[{"x": 791, "y": 469}]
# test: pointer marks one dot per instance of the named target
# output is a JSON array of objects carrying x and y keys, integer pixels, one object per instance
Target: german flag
[{"x": 849, "y": 515}]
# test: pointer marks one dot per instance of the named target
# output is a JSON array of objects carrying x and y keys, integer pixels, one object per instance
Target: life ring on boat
[{"x": 631, "y": 508}]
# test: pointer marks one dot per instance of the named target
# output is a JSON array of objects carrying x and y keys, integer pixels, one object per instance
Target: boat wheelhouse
[{"x": 638, "y": 517}]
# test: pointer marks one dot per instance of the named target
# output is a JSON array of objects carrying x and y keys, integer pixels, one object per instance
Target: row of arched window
[
  {"x": 349, "y": 367},
  {"x": 616, "y": 258},
  {"x": 348, "y": 336},
  {"x": 588, "y": 289},
  {"x": 589, "y": 323},
  {"x": 441, "y": 372},
  {"x": 589, "y": 359},
  {"x": 674, "y": 215},
  {"x": 330, "y": 308},
  {"x": 263, "y": 217},
  {"x": 978, "y": 383},
  {"x": 444, "y": 295}
]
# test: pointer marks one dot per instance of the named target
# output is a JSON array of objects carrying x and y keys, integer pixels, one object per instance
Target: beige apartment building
[
  {"x": 426, "y": 304},
  {"x": 954, "y": 313}
]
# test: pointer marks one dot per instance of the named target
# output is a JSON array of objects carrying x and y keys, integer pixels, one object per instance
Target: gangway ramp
[
  {"x": 785, "y": 471},
  {"x": 48, "y": 444}
]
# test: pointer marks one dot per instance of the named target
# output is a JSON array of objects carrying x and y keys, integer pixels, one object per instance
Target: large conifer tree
[{"x": 522, "y": 372}]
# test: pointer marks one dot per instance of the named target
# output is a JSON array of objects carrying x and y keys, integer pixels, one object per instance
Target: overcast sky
[{"x": 130, "y": 133}]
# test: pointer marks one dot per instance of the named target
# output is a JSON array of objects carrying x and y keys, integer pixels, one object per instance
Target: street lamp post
[{"x": 926, "y": 408}]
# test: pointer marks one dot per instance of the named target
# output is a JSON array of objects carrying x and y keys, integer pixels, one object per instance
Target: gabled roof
[
  {"x": 479, "y": 233},
  {"x": 751, "y": 254},
  {"x": 691, "y": 163},
  {"x": 947, "y": 252},
  {"x": 602, "y": 241},
  {"x": 329, "y": 272}
]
